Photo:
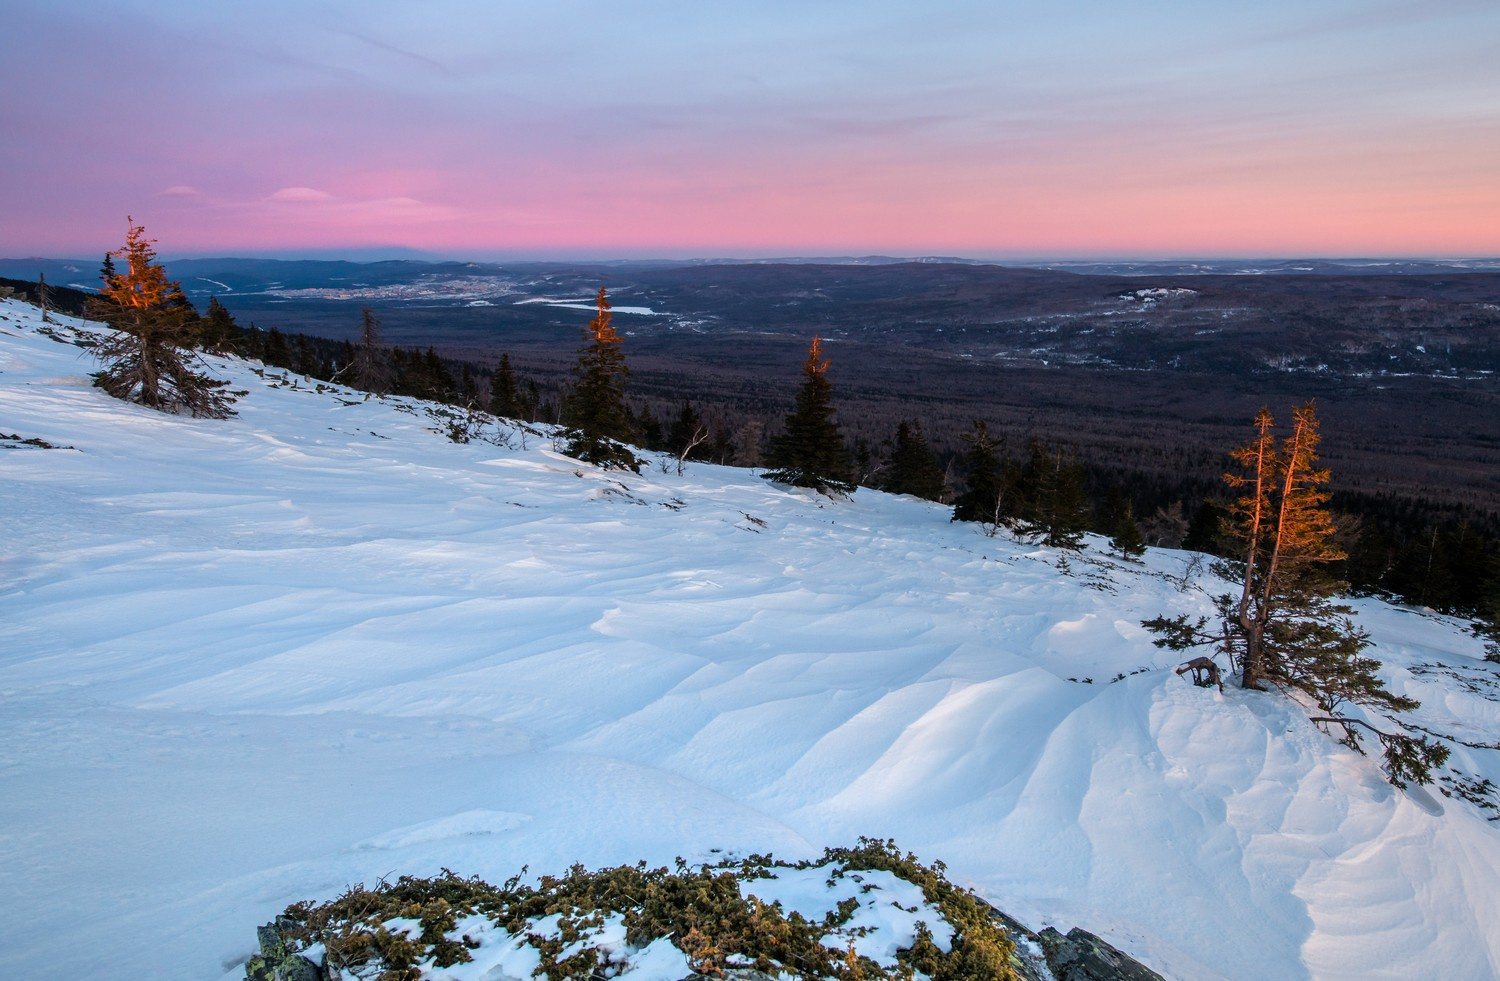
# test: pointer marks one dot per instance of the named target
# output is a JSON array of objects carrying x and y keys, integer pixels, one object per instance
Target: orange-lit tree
[
  {"x": 149, "y": 359},
  {"x": 597, "y": 419},
  {"x": 810, "y": 451},
  {"x": 1285, "y": 534},
  {"x": 1285, "y": 625}
]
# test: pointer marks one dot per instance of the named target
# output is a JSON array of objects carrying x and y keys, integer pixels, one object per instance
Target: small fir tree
[
  {"x": 1116, "y": 519},
  {"x": 1126, "y": 538},
  {"x": 863, "y": 468},
  {"x": 594, "y": 411},
  {"x": 533, "y": 407},
  {"x": 648, "y": 429},
  {"x": 148, "y": 358},
  {"x": 810, "y": 451}
]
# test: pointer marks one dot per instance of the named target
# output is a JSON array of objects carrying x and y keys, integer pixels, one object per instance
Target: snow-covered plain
[{"x": 253, "y": 661}]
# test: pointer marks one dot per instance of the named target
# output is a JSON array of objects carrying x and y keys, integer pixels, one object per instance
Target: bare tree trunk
[
  {"x": 1253, "y": 670},
  {"x": 44, "y": 298}
]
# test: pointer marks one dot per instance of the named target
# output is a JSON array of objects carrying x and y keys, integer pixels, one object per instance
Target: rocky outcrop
[
  {"x": 1075, "y": 956},
  {"x": 275, "y": 962},
  {"x": 1081, "y": 956}
]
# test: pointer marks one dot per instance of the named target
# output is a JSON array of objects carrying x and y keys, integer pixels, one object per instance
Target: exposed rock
[
  {"x": 275, "y": 962},
  {"x": 1028, "y": 961},
  {"x": 1027, "y": 958},
  {"x": 1081, "y": 956}
]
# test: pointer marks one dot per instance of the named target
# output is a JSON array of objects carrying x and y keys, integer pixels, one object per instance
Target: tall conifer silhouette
[
  {"x": 597, "y": 419},
  {"x": 810, "y": 451}
]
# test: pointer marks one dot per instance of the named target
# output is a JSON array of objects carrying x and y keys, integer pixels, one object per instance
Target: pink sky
[{"x": 768, "y": 128}]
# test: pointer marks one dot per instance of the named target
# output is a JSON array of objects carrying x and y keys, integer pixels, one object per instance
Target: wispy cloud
[{"x": 300, "y": 195}]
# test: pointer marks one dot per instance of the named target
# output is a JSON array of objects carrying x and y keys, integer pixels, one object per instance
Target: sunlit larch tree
[
  {"x": 149, "y": 358},
  {"x": 1284, "y": 625}
]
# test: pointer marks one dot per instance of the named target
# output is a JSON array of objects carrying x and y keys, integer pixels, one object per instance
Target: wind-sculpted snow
[{"x": 252, "y": 661}]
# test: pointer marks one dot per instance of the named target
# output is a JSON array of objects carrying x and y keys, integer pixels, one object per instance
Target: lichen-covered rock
[
  {"x": 1027, "y": 960},
  {"x": 1081, "y": 956},
  {"x": 275, "y": 962}
]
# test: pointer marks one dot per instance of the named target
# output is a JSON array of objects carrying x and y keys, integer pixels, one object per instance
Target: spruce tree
[
  {"x": 1055, "y": 507},
  {"x": 986, "y": 490},
  {"x": 368, "y": 371},
  {"x": 149, "y": 359},
  {"x": 1205, "y": 530},
  {"x": 594, "y": 411},
  {"x": 810, "y": 450},
  {"x": 649, "y": 432},
  {"x": 308, "y": 363},
  {"x": 913, "y": 467},
  {"x": 505, "y": 399},
  {"x": 437, "y": 381},
  {"x": 217, "y": 329},
  {"x": 1117, "y": 520},
  {"x": 277, "y": 353},
  {"x": 532, "y": 406}
]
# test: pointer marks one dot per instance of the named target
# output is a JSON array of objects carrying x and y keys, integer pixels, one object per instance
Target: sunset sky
[{"x": 678, "y": 128}]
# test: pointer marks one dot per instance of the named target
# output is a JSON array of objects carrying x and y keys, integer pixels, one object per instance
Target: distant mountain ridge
[{"x": 242, "y": 271}]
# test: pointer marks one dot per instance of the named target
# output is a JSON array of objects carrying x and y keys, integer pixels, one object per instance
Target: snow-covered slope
[{"x": 252, "y": 661}]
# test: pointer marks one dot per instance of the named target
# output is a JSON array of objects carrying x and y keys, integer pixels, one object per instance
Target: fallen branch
[{"x": 1205, "y": 672}]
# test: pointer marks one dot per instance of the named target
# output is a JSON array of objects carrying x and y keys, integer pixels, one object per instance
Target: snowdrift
[{"x": 253, "y": 661}]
